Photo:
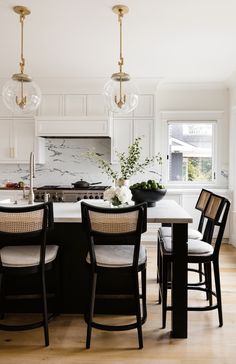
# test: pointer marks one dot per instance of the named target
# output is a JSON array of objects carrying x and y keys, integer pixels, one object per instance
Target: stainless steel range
[{"x": 63, "y": 193}]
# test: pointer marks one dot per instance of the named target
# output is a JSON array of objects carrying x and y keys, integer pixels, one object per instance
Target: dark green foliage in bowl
[{"x": 149, "y": 191}]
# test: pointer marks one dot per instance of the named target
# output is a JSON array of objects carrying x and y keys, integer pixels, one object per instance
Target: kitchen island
[{"x": 69, "y": 234}]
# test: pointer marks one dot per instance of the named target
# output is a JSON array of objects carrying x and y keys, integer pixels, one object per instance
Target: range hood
[{"x": 72, "y": 127}]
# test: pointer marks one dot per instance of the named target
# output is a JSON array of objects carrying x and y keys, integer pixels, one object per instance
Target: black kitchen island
[{"x": 69, "y": 234}]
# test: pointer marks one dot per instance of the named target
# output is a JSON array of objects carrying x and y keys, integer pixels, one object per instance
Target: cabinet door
[
  {"x": 145, "y": 106},
  {"x": 6, "y": 152},
  {"x": 144, "y": 129},
  {"x": 23, "y": 134},
  {"x": 17, "y": 140},
  {"x": 122, "y": 137},
  {"x": 50, "y": 105}
]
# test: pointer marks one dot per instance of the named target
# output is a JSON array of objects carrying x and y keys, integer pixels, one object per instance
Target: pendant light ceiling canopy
[
  {"x": 21, "y": 94},
  {"x": 121, "y": 94}
]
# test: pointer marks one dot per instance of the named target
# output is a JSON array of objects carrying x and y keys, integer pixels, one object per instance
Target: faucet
[{"x": 32, "y": 175}]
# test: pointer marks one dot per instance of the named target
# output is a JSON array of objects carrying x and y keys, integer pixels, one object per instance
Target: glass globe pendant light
[
  {"x": 121, "y": 94},
  {"x": 21, "y": 94}
]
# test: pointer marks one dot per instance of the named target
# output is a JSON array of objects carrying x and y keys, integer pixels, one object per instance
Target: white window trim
[{"x": 215, "y": 117}]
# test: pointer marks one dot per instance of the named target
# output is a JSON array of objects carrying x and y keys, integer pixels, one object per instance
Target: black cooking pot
[{"x": 84, "y": 184}]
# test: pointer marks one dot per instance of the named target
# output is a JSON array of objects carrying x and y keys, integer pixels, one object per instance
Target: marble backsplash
[{"x": 65, "y": 163}]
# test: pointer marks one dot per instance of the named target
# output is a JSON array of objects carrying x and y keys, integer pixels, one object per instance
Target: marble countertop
[{"x": 165, "y": 211}]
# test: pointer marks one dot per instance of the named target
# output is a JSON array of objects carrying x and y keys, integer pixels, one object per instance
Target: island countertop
[{"x": 164, "y": 211}]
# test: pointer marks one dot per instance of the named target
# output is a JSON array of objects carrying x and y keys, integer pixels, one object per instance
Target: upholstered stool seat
[
  {"x": 117, "y": 255},
  {"x": 26, "y": 255},
  {"x": 198, "y": 247},
  {"x": 192, "y": 233}
]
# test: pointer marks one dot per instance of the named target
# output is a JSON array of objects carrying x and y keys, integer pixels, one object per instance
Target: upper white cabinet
[
  {"x": 75, "y": 105},
  {"x": 50, "y": 105},
  {"x": 145, "y": 106},
  {"x": 73, "y": 127},
  {"x": 124, "y": 131},
  {"x": 95, "y": 105},
  {"x": 122, "y": 136},
  {"x": 17, "y": 140},
  {"x": 144, "y": 128},
  {"x": 140, "y": 123}
]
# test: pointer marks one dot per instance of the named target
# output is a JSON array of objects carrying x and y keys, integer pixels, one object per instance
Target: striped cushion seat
[
  {"x": 26, "y": 255},
  {"x": 116, "y": 256},
  {"x": 195, "y": 247},
  {"x": 192, "y": 233}
]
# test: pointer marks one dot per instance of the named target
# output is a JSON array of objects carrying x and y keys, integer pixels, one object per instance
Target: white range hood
[{"x": 72, "y": 127}]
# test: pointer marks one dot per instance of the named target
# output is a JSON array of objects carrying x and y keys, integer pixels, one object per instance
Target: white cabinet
[
  {"x": 139, "y": 123},
  {"x": 51, "y": 105},
  {"x": 17, "y": 140},
  {"x": 6, "y": 144},
  {"x": 145, "y": 106},
  {"x": 73, "y": 105},
  {"x": 124, "y": 131},
  {"x": 121, "y": 136},
  {"x": 144, "y": 128},
  {"x": 72, "y": 126}
]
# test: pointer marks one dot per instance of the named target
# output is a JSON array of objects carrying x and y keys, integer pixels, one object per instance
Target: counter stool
[
  {"x": 24, "y": 251},
  {"x": 114, "y": 236},
  {"x": 201, "y": 252},
  {"x": 166, "y": 231}
]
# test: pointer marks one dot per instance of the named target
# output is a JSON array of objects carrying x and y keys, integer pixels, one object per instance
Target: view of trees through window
[{"x": 190, "y": 151}]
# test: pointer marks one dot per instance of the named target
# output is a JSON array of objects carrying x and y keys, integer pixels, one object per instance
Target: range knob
[
  {"x": 60, "y": 199},
  {"x": 85, "y": 197},
  {"x": 96, "y": 197},
  {"x": 37, "y": 197},
  {"x": 91, "y": 197},
  {"x": 54, "y": 197},
  {"x": 78, "y": 198}
]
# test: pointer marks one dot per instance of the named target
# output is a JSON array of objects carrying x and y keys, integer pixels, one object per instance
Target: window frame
[{"x": 188, "y": 117}]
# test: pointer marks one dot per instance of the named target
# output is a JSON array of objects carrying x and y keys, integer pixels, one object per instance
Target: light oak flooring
[{"x": 206, "y": 342}]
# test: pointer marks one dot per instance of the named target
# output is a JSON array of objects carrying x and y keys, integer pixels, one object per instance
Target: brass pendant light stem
[
  {"x": 21, "y": 101},
  {"x": 121, "y": 62},
  {"x": 120, "y": 10},
  {"x": 22, "y": 62}
]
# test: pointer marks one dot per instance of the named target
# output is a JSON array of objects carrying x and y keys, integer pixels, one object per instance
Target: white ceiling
[{"x": 184, "y": 40}]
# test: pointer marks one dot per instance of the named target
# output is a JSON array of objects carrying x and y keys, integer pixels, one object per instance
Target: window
[{"x": 190, "y": 151}]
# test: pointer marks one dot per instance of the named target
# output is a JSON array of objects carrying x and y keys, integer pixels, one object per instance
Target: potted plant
[
  {"x": 149, "y": 191},
  {"x": 129, "y": 164}
]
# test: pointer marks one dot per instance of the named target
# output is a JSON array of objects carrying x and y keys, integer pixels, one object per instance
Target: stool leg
[
  {"x": 158, "y": 258},
  {"x": 91, "y": 310},
  {"x": 45, "y": 310},
  {"x": 218, "y": 291},
  {"x": 2, "y": 298},
  {"x": 59, "y": 287},
  {"x": 138, "y": 311},
  {"x": 159, "y": 268},
  {"x": 200, "y": 272},
  {"x": 164, "y": 286},
  {"x": 144, "y": 293},
  {"x": 208, "y": 279}
]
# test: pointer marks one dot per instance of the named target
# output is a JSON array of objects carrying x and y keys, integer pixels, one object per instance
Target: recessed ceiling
[{"x": 184, "y": 40}]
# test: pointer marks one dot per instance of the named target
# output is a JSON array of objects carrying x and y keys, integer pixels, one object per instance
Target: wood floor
[{"x": 206, "y": 342}]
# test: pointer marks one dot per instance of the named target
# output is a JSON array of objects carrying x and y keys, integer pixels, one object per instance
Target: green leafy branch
[{"x": 129, "y": 164}]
